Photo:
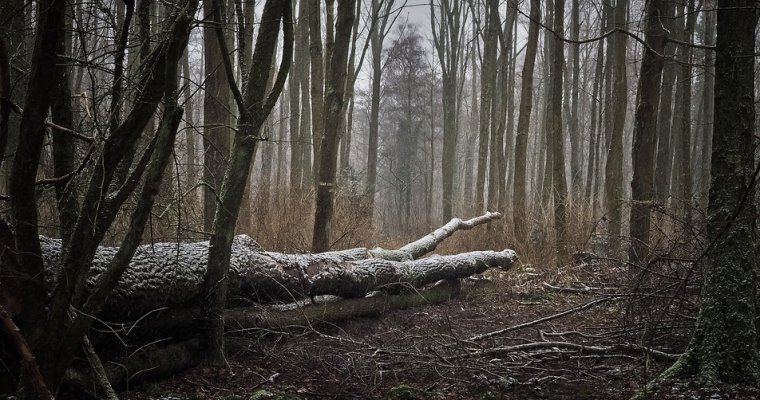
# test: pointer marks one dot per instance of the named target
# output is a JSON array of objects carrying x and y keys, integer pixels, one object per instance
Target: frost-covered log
[
  {"x": 425, "y": 244},
  {"x": 428, "y": 243},
  {"x": 169, "y": 275}
]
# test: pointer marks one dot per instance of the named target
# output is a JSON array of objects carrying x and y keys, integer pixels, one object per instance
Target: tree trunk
[
  {"x": 216, "y": 120},
  {"x": 376, "y": 43},
  {"x": 645, "y": 129},
  {"x": 255, "y": 104},
  {"x": 523, "y": 125},
  {"x": 447, "y": 26},
  {"x": 336, "y": 79},
  {"x": 613, "y": 183},
  {"x": 487, "y": 84},
  {"x": 171, "y": 275},
  {"x": 559, "y": 186},
  {"x": 724, "y": 344},
  {"x": 681, "y": 127},
  {"x": 595, "y": 129},
  {"x": 162, "y": 360},
  {"x": 703, "y": 174},
  {"x": 317, "y": 80},
  {"x": 664, "y": 121},
  {"x": 576, "y": 151},
  {"x": 299, "y": 143}
]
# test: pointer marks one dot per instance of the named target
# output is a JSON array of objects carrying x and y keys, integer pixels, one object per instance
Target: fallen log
[
  {"x": 169, "y": 275},
  {"x": 161, "y": 290}
]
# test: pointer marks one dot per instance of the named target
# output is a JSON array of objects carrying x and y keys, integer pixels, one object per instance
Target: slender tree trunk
[
  {"x": 347, "y": 130},
  {"x": 255, "y": 104},
  {"x": 317, "y": 79},
  {"x": 681, "y": 128},
  {"x": 523, "y": 124},
  {"x": 474, "y": 129},
  {"x": 703, "y": 180},
  {"x": 644, "y": 133},
  {"x": 16, "y": 17},
  {"x": 664, "y": 119},
  {"x": 576, "y": 151},
  {"x": 216, "y": 120},
  {"x": 595, "y": 130},
  {"x": 336, "y": 80},
  {"x": 559, "y": 186},
  {"x": 190, "y": 134},
  {"x": 447, "y": 25},
  {"x": 613, "y": 183},
  {"x": 487, "y": 84}
]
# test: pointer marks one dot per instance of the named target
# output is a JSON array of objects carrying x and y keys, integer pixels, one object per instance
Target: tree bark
[
  {"x": 317, "y": 80},
  {"x": 703, "y": 180},
  {"x": 613, "y": 183},
  {"x": 216, "y": 120},
  {"x": 724, "y": 344},
  {"x": 645, "y": 129},
  {"x": 681, "y": 127},
  {"x": 254, "y": 103},
  {"x": 487, "y": 85},
  {"x": 170, "y": 275},
  {"x": 523, "y": 125},
  {"x": 447, "y": 26},
  {"x": 559, "y": 183},
  {"x": 326, "y": 184}
]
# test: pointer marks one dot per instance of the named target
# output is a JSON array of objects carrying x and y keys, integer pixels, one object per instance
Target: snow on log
[
  {"x": 169, "y": 275},
  {"x": 428, "y": 243},
  {"x": 358, "y": 278}
]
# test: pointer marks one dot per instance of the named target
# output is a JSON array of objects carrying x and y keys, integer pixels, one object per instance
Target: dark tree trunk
[
  {"x": 644, "y": 132},
  {"x": 613, "y": 182},
  {"x": 254, "y": 103},
  {"x": 317, "y": 80},
  {"x": 487, "y": 85},
  {"x": 724, "y": 344},
  {"x": 523, "y": 125},
  {"x": 216, "y": 120},
  {"x": 557, "y": 139},
  {"x": 336, "y": 79}
]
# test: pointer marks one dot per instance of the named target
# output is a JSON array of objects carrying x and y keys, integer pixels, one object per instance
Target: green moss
[{"x": 403, "y": 392}]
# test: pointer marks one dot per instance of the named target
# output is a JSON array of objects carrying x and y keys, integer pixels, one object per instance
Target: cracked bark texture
[{"x": 169, "y": 275}]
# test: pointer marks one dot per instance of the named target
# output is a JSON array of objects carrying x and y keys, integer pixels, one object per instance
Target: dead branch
[
  {"x": 28, "y": 361},
  {"x": 584, "y": 306}
]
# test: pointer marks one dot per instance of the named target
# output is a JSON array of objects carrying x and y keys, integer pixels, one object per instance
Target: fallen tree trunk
[
  {"x": 160, "y": 291},
  {"x": 169, "y": 275}
]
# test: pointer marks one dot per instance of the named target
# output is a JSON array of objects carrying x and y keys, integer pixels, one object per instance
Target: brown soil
[{"x": 424, "y": 353}]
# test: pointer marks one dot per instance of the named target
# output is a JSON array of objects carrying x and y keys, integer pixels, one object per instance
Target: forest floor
[{"x": 429, "y": 352}]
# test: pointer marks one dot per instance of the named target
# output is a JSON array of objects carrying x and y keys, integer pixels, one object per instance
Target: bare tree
[
  {"x": 216, "y": 120},
  {"x": 613, "y": 183},
  {"x": 645, "y": 130},
  {"x": 523, "y": 124},
  {"x": 381, "y": 14},
  {"x": 254, "y": 103},
  {"x": 336, "y": 79},
  {"x": 487, "y": 86},
  {"x": 56, "y": 334},
  {"x": 559, "y": 185},
  {"x": 680, "y": 137},
  {"x": 723, "y": 347},
  {"x": 447, "y": 21}
]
